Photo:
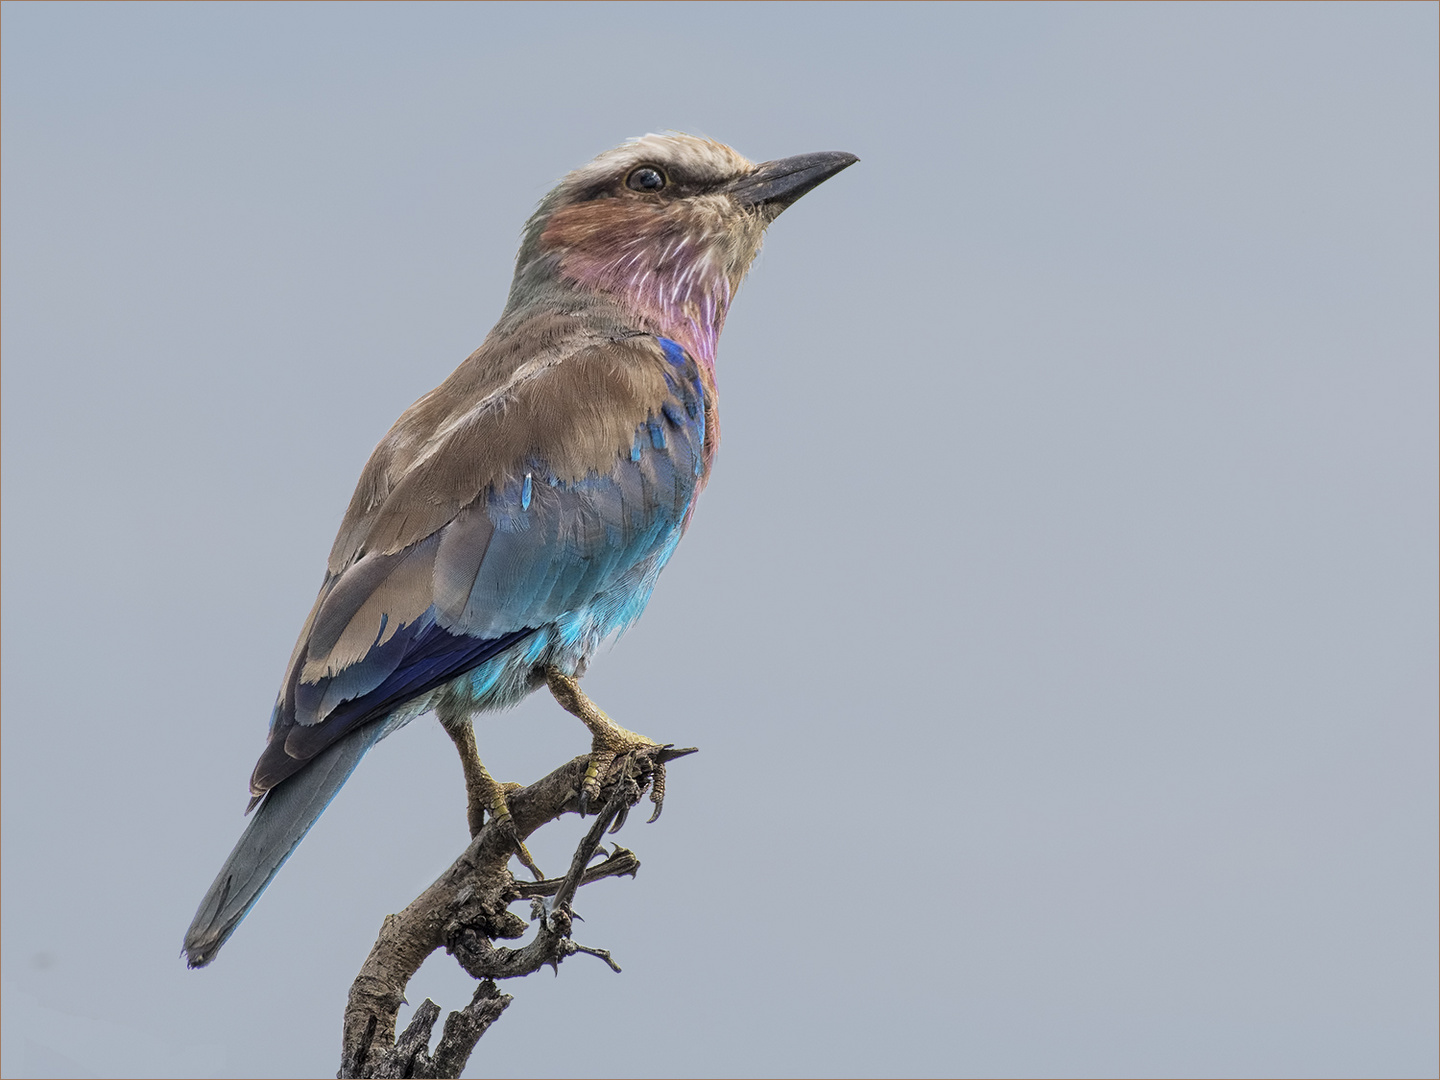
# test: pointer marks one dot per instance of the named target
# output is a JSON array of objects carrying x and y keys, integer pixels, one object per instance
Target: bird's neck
[
  {"x": 684, "y": 300},
  {"x": 689, "y": 312},
  {"x": 665, "y": 278}
]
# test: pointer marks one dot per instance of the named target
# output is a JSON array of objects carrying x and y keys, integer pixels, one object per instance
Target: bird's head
[{"x": 666, "y": 226}]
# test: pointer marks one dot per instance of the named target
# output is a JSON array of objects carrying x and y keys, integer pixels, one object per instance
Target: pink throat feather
[
  {"x": 681, "y": 291},
  {"x": 674, "y": 278}
]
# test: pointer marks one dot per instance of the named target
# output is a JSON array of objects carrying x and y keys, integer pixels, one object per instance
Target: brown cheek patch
[
  {"x": 595, "y": 240},
  {"x": 601, "y": 223}
]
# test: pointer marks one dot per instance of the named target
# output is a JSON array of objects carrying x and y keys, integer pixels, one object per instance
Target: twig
[{"x": 620, "y": 863}]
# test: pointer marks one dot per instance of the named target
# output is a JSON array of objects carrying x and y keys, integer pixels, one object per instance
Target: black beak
[{"x": 774, "y": 185}]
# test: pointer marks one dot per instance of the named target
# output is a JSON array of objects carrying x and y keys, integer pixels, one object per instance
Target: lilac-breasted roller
[{"x": 520, "y": 512}]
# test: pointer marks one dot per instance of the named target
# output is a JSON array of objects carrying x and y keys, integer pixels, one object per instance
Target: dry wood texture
[{"x": 468, "y": 908}]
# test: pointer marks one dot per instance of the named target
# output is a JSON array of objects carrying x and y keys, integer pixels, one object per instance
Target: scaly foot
[
  {"x": 482, "y": 791},
  {"x": 610, "y": 741}
]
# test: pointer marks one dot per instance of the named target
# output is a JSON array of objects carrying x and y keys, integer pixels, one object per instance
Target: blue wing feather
[
  {"x": 479, "y": 593},
  {"x": 562, "y": 564}
]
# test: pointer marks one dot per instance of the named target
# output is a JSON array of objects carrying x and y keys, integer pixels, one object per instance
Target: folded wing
[{"x": 542, "y": 507}]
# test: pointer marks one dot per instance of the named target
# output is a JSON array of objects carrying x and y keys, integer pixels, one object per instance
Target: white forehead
[{"x": 703, "y": 159}]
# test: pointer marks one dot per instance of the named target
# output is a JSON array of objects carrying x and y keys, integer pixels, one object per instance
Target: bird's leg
[
  {"x": 610, "y": 740},
  {"x": 482, "y": 791}
]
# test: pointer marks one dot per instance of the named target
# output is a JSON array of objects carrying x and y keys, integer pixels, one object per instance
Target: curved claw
[
  {"x": 610, "y": 740},
  {"x": 657, "y": 792},
  {"x": 657, "y": 785},
  {"x": 507, "y": 828}
]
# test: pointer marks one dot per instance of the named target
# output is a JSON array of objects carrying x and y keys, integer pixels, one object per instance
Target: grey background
[{"x": 1059, "y": 628}]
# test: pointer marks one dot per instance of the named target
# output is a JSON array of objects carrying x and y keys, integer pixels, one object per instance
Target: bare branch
[
  {"x": 467, "y": 908},
  {"x": 620, "y": 863}
]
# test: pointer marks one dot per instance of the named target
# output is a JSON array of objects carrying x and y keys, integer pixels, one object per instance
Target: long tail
[{"x": 279, "y": 824}]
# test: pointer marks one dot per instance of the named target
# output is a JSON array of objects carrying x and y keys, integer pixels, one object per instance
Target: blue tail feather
[{"x": 278, "y": 825}]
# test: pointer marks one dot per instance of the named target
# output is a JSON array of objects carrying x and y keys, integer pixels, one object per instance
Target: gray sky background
[{"x": 1059, "y": 627}]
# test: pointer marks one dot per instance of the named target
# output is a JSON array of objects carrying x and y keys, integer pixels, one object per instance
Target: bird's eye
[{"x": 645, "y": 178}]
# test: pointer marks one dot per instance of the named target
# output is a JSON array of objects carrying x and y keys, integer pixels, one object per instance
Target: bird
[{"x": 519, "y": 514}]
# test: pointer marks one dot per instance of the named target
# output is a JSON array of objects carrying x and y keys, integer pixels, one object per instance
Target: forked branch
[{"x": 468, "y": 908}]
